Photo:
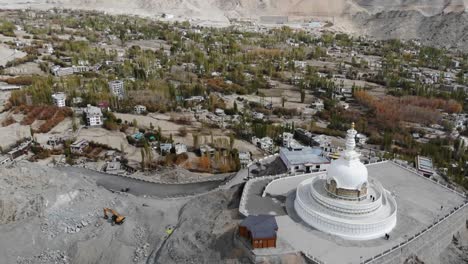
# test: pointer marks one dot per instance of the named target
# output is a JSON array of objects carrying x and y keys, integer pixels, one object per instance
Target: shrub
[
  {"x": 8, "y": 121},
  {"x": 183, "y": 131}
]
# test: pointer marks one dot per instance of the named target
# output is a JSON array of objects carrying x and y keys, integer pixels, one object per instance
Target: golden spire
[{"x": 352, "y": 125}]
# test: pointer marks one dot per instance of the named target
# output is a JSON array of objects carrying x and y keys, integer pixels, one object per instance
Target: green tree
[
  {"x": 302, "y": 95},
  {"x": 142, "y": 152},
  {"x": 196, "y": 139},
  {"x": 232, "y": 141}
]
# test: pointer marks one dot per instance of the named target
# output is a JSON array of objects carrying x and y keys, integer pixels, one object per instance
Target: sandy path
[{"x": 7, "y": 54}]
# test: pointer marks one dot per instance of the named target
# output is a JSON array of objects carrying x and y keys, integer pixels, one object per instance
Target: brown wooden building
[{"x": 260, "y": 230}]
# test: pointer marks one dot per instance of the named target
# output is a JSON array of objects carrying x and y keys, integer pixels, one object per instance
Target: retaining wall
[{"x": 431, "y": 244}]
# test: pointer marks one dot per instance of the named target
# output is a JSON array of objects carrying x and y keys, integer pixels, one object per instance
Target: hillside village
[
  {"x": 163, "y": 94},
  {"x": 165, "y": 113}
]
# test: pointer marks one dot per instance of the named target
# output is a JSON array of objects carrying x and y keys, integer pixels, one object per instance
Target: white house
[
  {"x": 288, "y": 138},
  {"x": 361, "y": 139},
  {"x": 115, "y": 167},
  {"x": 244, "y": 158},
  {"x": 165, "y": 148},
  {"x": 318, "y": 105},
  {"x": 77, "y": 100},
  {"x": 304, "y": 159},
  {"x": 219, "y": 112},
  {"x": 93, "y": 116},
  {"x": 195, "y": 99},
  {"x": 265, "y": 143},
  {"x": 117, "y": 88},
  {"x": 59, "y": 99},
  {"x": 61, "y": 71},
  {"x": 343, "y": 105},
  {"x": 139, "y": 109},
  {"x": 180, "y": 148},
  {"x": 49, "y": 48},
  {"x": 258, "y": 116},
  {"x": 300, "y": 64},
  {"x": 207, "y": 150}
]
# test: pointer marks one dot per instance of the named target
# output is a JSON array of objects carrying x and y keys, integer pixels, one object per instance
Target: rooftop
[
  {"x": 304, "y": 155},
  {"x": 425, "y": 164},
  {"x": 79, "y": 143},
  {"x": 93, "y": 110},
  {"x": 261, "y": 226},
  {"x": 115, "y": 82},
  {"x": 59, "y": 96}
]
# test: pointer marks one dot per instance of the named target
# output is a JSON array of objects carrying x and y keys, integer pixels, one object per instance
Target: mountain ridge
[{"x": 434, "y": 22}]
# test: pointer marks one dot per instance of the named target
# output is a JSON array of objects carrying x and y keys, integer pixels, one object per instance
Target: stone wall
[{"x": 429, "y": 246}]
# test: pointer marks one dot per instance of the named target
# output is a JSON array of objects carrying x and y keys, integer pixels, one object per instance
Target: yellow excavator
[{"x": 116, "y": 217}]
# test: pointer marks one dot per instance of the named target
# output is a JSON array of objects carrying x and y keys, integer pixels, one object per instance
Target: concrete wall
[{"x": 429, "y": 246}]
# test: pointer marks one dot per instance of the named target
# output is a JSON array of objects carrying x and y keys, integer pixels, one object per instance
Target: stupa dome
[
  {"x": 348, "y": 175},
  {"x": 343, "y": 202}
]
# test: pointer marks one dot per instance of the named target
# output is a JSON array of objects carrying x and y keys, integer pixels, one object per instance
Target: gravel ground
[{"x": 55, "y": 216}]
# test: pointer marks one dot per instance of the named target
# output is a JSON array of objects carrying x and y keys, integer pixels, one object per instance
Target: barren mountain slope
[
  {"x": 306, "y": 7},
  {"x": 427, "y": 7},
  {"x": 443, "y": 30},
  {"x": 435, "y": 22}
]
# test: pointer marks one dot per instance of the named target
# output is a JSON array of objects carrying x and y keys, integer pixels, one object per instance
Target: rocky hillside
[
  {"x": 443, "y": 30},
  {"x": 251, "y": 7},
  {"x": 435, "y": 22}
]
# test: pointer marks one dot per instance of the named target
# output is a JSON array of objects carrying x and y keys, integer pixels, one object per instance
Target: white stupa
[{"x": 344, "y": 202}]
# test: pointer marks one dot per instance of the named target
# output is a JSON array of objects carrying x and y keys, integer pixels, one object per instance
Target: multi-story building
[
  {"x": 59, "y": 99},
  {"x": 245, "y": 158},
  {"x": 93, "y": 116},
  {"x": 62, "y": 71},
  {"x": 117, "y": 88}
]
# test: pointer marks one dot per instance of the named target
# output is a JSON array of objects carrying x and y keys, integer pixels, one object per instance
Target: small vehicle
[{"x": 116, "y": 217}]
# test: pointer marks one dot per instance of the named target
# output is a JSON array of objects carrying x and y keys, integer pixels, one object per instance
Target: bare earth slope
[
  {"x": 442, "y": 30},
  {"x": 435, "y": 22},
  {"x": 47, "y": 216},
  {"x": 55, "y": 216}
]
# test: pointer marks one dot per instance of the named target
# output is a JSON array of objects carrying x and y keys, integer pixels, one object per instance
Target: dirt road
[{"x": 140, "y": 188}]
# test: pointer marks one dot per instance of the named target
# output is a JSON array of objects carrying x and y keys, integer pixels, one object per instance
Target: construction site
[
  {"x": 72, "y": 215},
  {"x": 75, "y": 215}
]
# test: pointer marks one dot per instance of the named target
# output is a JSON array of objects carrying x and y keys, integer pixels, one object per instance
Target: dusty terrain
[
  {"x": 7, "y": 54},
  {"x": 457, "y": 251},
  {"x": 432, "y": 21},
  {"x": 53, "y": 216}
]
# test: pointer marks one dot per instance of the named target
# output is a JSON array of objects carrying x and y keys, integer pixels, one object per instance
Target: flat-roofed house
[{"x": 304, "y": 159}]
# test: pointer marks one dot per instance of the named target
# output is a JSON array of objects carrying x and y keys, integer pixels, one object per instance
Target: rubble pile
[
  {"x": 49, "y": 215},
  {"x": 22, "y": 193},
  {"x": 46, "y": 257}
]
